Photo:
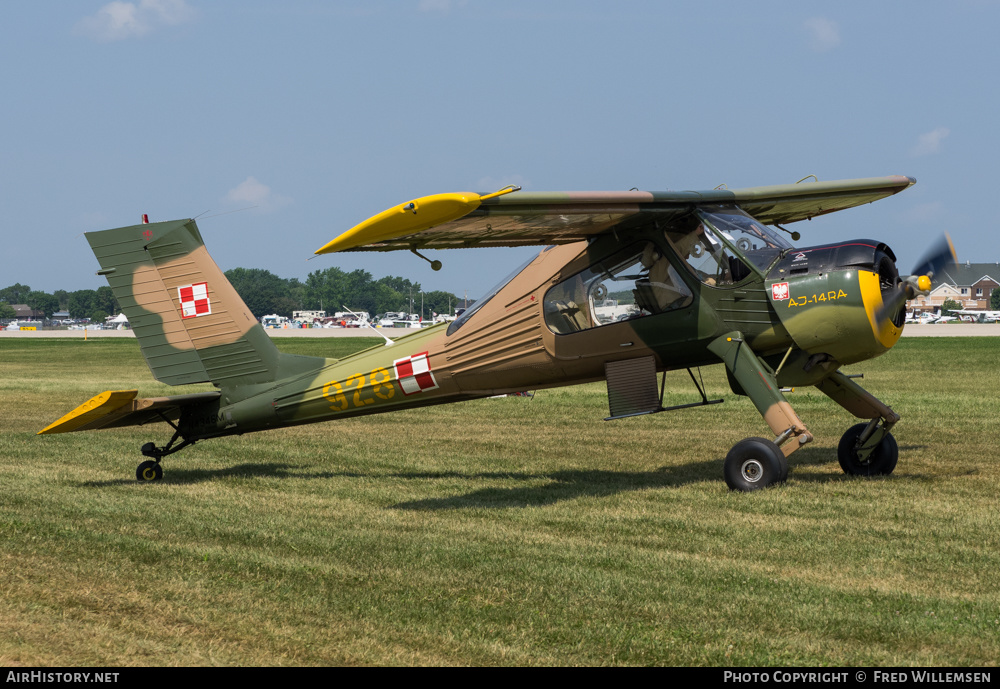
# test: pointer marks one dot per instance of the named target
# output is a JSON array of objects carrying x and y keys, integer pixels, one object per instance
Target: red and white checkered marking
[
  {"x": 194, "y": 300},
  {"x": 779, "y": 291},
  {"x": 414, "y": 374}
]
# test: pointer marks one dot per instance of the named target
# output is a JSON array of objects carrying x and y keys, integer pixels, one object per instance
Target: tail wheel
[
  {"x": 880, "y": 462},
  {"x": 754, "y": 463},
  {"x": 148, "y": 472}
]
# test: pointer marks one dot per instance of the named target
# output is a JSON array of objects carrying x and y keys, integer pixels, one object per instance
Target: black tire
[
  {"x": 148, "y": 472},
  {"x": 755, "y": 463},
  {"x": 880, "y": 462}
]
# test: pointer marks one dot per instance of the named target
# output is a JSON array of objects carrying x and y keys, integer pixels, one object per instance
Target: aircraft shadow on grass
[
  {"x": 181, "y": 475},
  {"x": 563, "y": 485},
  {"x": 809, "y": 465},
  {"x": 571, "y": 484}
]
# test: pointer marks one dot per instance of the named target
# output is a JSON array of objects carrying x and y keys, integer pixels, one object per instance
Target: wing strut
[{"x": 701, "y": 391}]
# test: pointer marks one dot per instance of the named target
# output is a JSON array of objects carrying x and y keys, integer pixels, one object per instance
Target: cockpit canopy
[{"x": 722, "y": 244}]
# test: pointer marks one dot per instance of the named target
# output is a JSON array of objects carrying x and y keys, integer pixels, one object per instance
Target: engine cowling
[{"x": 827, "y": 297}]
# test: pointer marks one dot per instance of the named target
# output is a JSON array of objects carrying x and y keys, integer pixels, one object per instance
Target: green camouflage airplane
[{"x": 628, "y": 284}]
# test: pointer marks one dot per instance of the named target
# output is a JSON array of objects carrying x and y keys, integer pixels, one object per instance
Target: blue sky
[{"x": 322, "y": 114}]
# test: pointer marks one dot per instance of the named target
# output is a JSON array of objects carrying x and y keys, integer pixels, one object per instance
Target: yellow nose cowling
[{"x": 885, "y": 331}]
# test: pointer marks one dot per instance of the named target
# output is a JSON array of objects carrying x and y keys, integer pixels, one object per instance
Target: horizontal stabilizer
[{"x": 115, "y": 408}]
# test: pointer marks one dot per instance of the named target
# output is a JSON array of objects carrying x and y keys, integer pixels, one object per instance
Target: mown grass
[{"x": 511, "y": 531}]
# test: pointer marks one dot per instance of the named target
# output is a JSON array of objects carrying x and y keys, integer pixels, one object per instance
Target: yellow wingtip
[{"x": 411, "y": 217}]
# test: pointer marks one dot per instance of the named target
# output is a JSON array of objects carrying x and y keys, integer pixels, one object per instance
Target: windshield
[{"x": 760, "y": 245}]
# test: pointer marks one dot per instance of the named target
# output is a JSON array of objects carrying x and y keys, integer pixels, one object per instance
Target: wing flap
[
  {"x": 543, "y": 218},
  {"x": 116, "y": 408}
]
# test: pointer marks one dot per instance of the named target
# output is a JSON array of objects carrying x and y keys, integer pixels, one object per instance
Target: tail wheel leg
[{"x": 150, "y": 470}]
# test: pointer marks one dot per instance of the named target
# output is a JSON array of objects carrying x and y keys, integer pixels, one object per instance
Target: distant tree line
[
  {"x": 331, "y": 290},
  {"x": 95, "y": 304},
  {"x": 264, "y": 293}
]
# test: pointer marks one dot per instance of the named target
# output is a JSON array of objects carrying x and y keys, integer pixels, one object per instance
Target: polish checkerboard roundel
[
  {"x": 414, "y": 374},
  {"x": 194, "y": 300}
]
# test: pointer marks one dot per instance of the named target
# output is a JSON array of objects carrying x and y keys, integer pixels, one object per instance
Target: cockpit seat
[{"x": 569, "y": 318}]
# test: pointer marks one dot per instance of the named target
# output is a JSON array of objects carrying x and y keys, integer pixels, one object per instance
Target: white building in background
[
  {"x": 307, "y": 316},
  {"x": 970, "y": 284}
]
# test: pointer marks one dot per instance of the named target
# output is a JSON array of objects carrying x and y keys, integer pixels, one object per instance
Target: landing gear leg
[
  {"x": 867, "y": 449},
  {"x": 150, "y": 470},
  {"x": 754, "y": 463}
]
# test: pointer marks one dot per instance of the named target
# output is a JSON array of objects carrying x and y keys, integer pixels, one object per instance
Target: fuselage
[{"x": 576, "y": 307}]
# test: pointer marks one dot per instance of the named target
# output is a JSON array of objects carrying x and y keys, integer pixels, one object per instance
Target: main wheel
[
  {"x": 149, "y": 471},
  {"x": 880, "y": 462},
  {"x": 754, "y": 463}
]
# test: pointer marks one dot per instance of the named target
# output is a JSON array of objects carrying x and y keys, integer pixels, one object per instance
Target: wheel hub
[{"x": 752, "y": 470}]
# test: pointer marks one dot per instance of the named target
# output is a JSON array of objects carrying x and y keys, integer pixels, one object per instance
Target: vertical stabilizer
[{"x": 191, "y": 324}]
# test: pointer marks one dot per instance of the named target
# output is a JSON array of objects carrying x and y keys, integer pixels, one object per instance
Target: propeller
[{"x": 939, "y": 256}]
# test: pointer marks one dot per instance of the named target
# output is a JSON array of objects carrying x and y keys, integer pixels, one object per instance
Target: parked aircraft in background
[{"x": 979, "y": 316}]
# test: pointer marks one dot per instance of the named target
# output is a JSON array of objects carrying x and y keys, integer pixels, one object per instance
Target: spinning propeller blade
[{"x": 938, "y": 257}]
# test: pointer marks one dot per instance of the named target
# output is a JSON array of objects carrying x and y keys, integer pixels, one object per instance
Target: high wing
[
  {"x": 115, "y": 408},
  {"x": 467, "y": 220}
]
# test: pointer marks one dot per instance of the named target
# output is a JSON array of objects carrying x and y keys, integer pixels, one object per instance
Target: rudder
[{"x": 191, "y": 324}]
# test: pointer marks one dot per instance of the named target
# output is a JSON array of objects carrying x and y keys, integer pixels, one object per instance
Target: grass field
[{"x": 511, "y": 531}]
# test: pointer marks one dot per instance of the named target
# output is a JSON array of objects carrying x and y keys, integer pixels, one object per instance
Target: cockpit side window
[{"x": 635, "y": 283}]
